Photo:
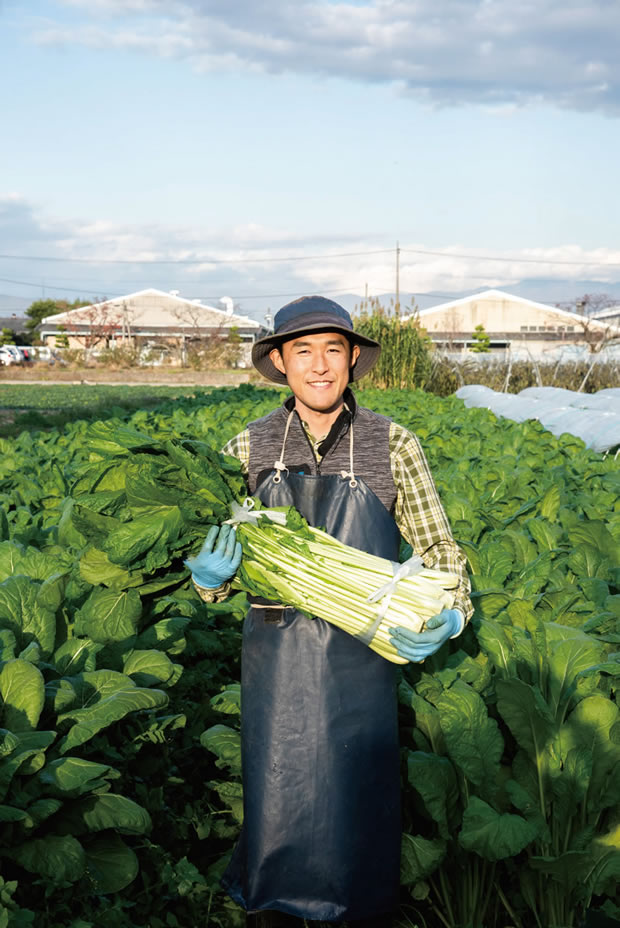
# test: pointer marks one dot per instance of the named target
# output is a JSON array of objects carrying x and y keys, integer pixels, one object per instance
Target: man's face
[{"x": 317, "y": 368}]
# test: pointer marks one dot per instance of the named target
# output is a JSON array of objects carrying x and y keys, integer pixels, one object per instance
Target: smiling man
[{"x": 321, "y": 774}]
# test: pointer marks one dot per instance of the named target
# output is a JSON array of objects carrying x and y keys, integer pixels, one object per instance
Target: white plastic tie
[
  {"x": 407, "y": 569},
  {"x": 413, "y": 566},
  {"x": 247, "y": 513}
]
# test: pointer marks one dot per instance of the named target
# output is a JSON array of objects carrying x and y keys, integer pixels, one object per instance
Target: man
[{"x": 321, "y": 833}]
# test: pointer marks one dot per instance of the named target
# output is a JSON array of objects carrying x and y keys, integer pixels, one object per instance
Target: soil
[{"x": 159, "y": 376}]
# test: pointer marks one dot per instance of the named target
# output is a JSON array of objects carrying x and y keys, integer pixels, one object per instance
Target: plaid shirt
[{"x": 418, "y": 511}]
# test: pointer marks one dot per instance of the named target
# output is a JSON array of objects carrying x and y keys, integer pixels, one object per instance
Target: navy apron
[{"x": 319, "y": 731}]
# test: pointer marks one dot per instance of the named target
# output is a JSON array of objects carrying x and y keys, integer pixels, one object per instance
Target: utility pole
[{"x": 397, "y": 307}]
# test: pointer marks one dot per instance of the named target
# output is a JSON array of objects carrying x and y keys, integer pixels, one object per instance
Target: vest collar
[{"x": 340, "y": 426}]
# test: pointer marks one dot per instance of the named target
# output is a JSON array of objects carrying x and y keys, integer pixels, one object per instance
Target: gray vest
[{"x": 371, "y": 451}]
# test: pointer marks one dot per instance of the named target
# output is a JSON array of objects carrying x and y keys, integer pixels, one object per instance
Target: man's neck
[{"x": 319, "y": 423}]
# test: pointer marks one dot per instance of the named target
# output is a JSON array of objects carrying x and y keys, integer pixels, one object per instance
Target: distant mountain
[{"x": 540, "y": 290}]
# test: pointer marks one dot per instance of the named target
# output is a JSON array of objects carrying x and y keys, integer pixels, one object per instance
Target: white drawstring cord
[{"x": 279, "y": 464}]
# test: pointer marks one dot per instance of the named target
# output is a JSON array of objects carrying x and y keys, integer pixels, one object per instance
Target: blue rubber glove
[
  {"x": 218, "y": 559},
  {"x": 417, "y": 646}
]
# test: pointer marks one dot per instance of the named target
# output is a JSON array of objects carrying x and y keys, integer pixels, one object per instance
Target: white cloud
[
  {"x": 251, "y": 261},
  {"x": 496, "y": 52}
]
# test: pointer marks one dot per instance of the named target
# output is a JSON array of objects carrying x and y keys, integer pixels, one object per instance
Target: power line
[
  {"x": 350, "y": 254},
  {"x": 513, "y": 260},
  {"x": 192, "y": 261}
]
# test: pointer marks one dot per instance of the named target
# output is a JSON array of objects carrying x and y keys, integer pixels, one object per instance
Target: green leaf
[
  {"x": 496, "y": 644},
  {"x": 23, "y": 692},
  {"x": 109, "y": 615},
  {"x": 419, "y": 857},
  {"x": 566, "y": 869},
  {"x": 229, "y": 700},
  {"x": 76, "y": 655},
  {"x": 8, "y": 742},
  {"x": 590, "y": 726},
  {"x": 27, "y": 618},
  {"x": 426, "y": 717},
  {"x": 166, "y": 635},
  {"x": 571, "y": 785},
  {"x": 97, "y": 568},
  {"x": 8, "y": 644},
  {"x": 231, "y": 793},
  {"x": 527, "y": 716},
  {"x": 105, "y": 810},
  {"x": 133, "y": 539},
  {"x": 42, "y": 809},
  {"x": 11, "y": 555},
  {"x": 434, "y": 779},
  {"x": 11, "y": 814},
  {"x": 151, "y": 668},
  {"x": 489, "y": 603},
  {"x": 494, "y": 835},
  {"x": 567, "y": 659},
  {"x": 107, "y": 710},
  {"x": 225, "y": 743},
  {"x": 473, "y": 739},
  {"x": 29, "y": 745},
  {"x": 595, "y": 534},
  {"x": 54, "y": 857},
  {"x": 550, "y": 503},
  {"x": 74, "y": 776},
  {"x": 587, "y": 561},
  {"x": 110, "y": 864}
]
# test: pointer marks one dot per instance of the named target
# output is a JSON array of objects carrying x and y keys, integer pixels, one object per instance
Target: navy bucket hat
[{"x": 312, "y": 314}]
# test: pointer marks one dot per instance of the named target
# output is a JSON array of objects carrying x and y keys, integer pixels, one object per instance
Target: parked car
[{"x": 9, "y": 356}]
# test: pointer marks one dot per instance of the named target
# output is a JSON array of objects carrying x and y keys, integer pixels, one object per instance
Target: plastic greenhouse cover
[
  {"x": 594, "y": 418},
  {"x": 559, "y": 394}
]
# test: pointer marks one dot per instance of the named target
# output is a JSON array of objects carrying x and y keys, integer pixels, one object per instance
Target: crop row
[{"x": 120, "y": 770}]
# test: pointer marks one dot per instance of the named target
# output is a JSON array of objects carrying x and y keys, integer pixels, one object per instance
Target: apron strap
[
  {"x": 350, "y": 473},
  {"x": 279, "y": 465}
]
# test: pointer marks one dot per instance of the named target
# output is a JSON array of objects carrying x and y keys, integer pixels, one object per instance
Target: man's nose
[{"x": 319, "y": 363}]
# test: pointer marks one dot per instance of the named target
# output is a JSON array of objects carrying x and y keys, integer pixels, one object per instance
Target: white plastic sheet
[{"x": 595, "y": 418}]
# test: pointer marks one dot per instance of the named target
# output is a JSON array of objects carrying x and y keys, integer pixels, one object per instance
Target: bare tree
[
  {"x": 94, "y": 325},
  {"x": 588, "y": 304}
]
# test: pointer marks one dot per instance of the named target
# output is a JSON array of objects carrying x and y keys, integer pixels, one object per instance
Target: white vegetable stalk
[{"x": 356, "y": 591}]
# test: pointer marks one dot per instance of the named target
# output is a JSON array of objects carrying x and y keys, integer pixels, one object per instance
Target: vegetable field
[{"x": 120, "y": 793}]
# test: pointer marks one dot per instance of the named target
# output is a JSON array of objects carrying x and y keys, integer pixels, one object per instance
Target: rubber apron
[{"x": 321, "y": 833}]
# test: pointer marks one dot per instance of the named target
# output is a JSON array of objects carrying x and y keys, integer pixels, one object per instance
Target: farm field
[
  {"x": 43, "y": 405},
  {"x": 120, "y": 766}
]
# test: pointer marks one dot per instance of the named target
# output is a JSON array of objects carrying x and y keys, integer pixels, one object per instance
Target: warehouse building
[
  {"x": 516, "y": 325},
  {"x": 148, "y": 318}
]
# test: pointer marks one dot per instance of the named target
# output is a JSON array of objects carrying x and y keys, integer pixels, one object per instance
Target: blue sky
[{"x": 265, "y": 149}]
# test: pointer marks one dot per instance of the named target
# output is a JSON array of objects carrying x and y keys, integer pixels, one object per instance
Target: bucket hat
[{"x": 312, "y": 314}]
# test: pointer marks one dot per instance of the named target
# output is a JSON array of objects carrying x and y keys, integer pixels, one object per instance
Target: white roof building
[
  {"x": 523, "y": 327},
  {"x": 146, "y": 316}
]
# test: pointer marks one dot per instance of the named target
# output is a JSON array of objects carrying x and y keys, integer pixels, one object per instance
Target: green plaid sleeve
[
  {"x": 239, "y": 447},
  {"x": 420, "y": 515}
]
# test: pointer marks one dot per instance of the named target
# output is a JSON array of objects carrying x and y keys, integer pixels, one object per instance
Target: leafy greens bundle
[{"x": 287, "y": 560}]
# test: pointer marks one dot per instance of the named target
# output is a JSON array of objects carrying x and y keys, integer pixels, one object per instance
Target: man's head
[{"x": 305, "y": 320}]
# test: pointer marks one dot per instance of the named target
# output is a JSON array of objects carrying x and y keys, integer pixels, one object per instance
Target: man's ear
[
  {"x": 276, "y": 359},
  {"x": 355, "y": 353}
]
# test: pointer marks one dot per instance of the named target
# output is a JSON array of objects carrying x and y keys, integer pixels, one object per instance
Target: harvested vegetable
[{"x": 290, "y": 562}]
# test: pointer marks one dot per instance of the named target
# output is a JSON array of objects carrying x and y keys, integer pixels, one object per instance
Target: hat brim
[{"x": 261, "y": 349}]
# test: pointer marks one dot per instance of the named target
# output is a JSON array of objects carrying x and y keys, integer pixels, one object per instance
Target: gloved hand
[
  {"x": 417, "y": 646},
  {"x": 218, "y": 559}
]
